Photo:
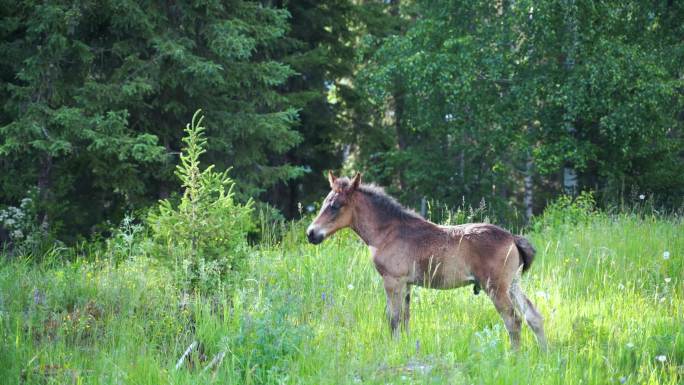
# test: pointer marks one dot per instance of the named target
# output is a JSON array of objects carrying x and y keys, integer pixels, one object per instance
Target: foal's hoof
[{"x": 476, "y": 288}]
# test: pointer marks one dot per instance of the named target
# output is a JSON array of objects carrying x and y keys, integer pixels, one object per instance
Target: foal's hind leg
[
  {"x": 532, "y": 316},
  {"x": 504, "y": 305}
]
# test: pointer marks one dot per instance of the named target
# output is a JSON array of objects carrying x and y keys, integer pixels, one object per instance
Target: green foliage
[
  {"x": 320, "y": 45},
  {"x": 91, "y": 93},
  {"x": 444, "y": 214},
  {"x": 267, "y": 338},
  {"x": 205, "y": 234},
  {"x": 447, "y": 100},
  {"x": 126, "y": 241},
  {"x": 25, "y": 236},
  {"x": 468, "y": 92},
  {"x": 567, "y": 211}
]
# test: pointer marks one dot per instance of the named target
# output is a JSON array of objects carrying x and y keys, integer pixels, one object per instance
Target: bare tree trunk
[
  {"x": 44, "y": 190},
  {"x": 396, "y": 104},
  {"x": 461, "y": 164},
  {"x": 528, "y": 199},
  {"x": 569, "y": 172},
  {"x": 163, "y": 192}
]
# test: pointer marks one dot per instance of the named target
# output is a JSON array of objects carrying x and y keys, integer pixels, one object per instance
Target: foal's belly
[
  {"x": 442, "y": 285},
  {"x": 438, "y": 274}
]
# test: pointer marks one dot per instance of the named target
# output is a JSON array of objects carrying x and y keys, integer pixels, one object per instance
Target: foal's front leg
[
  {"x": 407, "y": 308},
  {"x": 395, "y": 290}
]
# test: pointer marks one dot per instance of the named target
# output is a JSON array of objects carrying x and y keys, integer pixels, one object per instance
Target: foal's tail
[{"x": 526, "y": 250}]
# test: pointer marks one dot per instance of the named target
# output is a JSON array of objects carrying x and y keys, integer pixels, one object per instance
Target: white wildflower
[
  {"x": 621, "y": 286},
  {"x": 661, "y": 358},
  {"x": 630, "y": 345},
  {"x": 350, "y": 287},
  {"x": 668, "y": 279},
  {"x": 642, "y": 197},
  {"x": 666, "y": 254}
]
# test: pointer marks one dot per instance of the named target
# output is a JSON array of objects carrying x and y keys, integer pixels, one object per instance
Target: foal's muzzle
[{"x": 314, "y": 237}]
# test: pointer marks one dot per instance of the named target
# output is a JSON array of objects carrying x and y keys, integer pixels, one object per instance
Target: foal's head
[{"x": 336, "y": 210}]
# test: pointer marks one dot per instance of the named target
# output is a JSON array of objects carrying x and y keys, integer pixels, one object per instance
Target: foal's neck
[
  {"x": 365, "y": 221},
  {"x": 371, "y": 223}
]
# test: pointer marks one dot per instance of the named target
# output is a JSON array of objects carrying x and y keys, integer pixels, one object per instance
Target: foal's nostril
[{"x": 313, "y": 237}]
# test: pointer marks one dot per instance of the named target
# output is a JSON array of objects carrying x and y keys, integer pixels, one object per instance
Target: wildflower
[
  {"x": 666, "y": 254},
  {"x": 350, "y": 287},
  {"x": 661, "y": 358},
  {"x": 642, "y": 197},
  {"x": 630, "y": 345},
  {"x": 38, "y": 297},
  {"x": 668, "y": 279},
  {"x": 621, "y": 286},
  {"x": 623, "y": 379}
]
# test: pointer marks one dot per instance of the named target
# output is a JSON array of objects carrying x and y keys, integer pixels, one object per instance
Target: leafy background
[{"x": 442, "y": 101}]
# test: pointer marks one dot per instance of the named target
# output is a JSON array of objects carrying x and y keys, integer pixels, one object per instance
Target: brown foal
[{"x": 409, "y": 250}]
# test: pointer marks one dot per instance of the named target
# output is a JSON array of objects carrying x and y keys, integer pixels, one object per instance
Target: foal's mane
[{"x": 387, "y": 206}]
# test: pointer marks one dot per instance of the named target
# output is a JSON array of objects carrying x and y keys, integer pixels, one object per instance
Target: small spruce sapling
[{"x": 205, "y": 234}]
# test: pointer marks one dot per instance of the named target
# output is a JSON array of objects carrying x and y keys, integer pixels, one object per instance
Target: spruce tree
[{"x": 94, "y": 95}]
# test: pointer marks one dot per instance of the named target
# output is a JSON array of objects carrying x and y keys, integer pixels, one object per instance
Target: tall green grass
[{"x": 307, "y": 314}]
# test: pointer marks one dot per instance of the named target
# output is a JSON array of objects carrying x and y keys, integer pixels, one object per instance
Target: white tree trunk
[
  {"x": 571, "y": 42},
  {"x": 528, "y": 199}
]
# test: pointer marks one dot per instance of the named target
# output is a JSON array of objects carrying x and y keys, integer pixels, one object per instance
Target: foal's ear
[
  {"x": 331, "y": 178},
  {"x": 356, "y": 181}
]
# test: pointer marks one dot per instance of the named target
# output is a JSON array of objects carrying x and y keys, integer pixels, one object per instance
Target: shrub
[
  {"x": 205, "y": 233},
  {"x": 567, "y": 211},
  {"x": 126, "y": 240},
  {"x": 268, "y": 335},
  {"x": 23, "y": 234}
]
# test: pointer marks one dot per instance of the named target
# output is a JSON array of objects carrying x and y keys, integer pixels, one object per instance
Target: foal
[{"x": 409, "y": 250}]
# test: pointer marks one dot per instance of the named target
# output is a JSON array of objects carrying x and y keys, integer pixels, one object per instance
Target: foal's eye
[{"x": 335, "y": 207}]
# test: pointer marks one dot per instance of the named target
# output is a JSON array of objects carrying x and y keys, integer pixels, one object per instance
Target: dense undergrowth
[{"x": 609, "y": 286}]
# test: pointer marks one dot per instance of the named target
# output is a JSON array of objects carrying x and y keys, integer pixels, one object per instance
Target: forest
[{"x": 160, "y": 162}]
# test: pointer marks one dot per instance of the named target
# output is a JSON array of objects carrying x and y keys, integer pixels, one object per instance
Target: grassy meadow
[{"x": 611, "y": 288}]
